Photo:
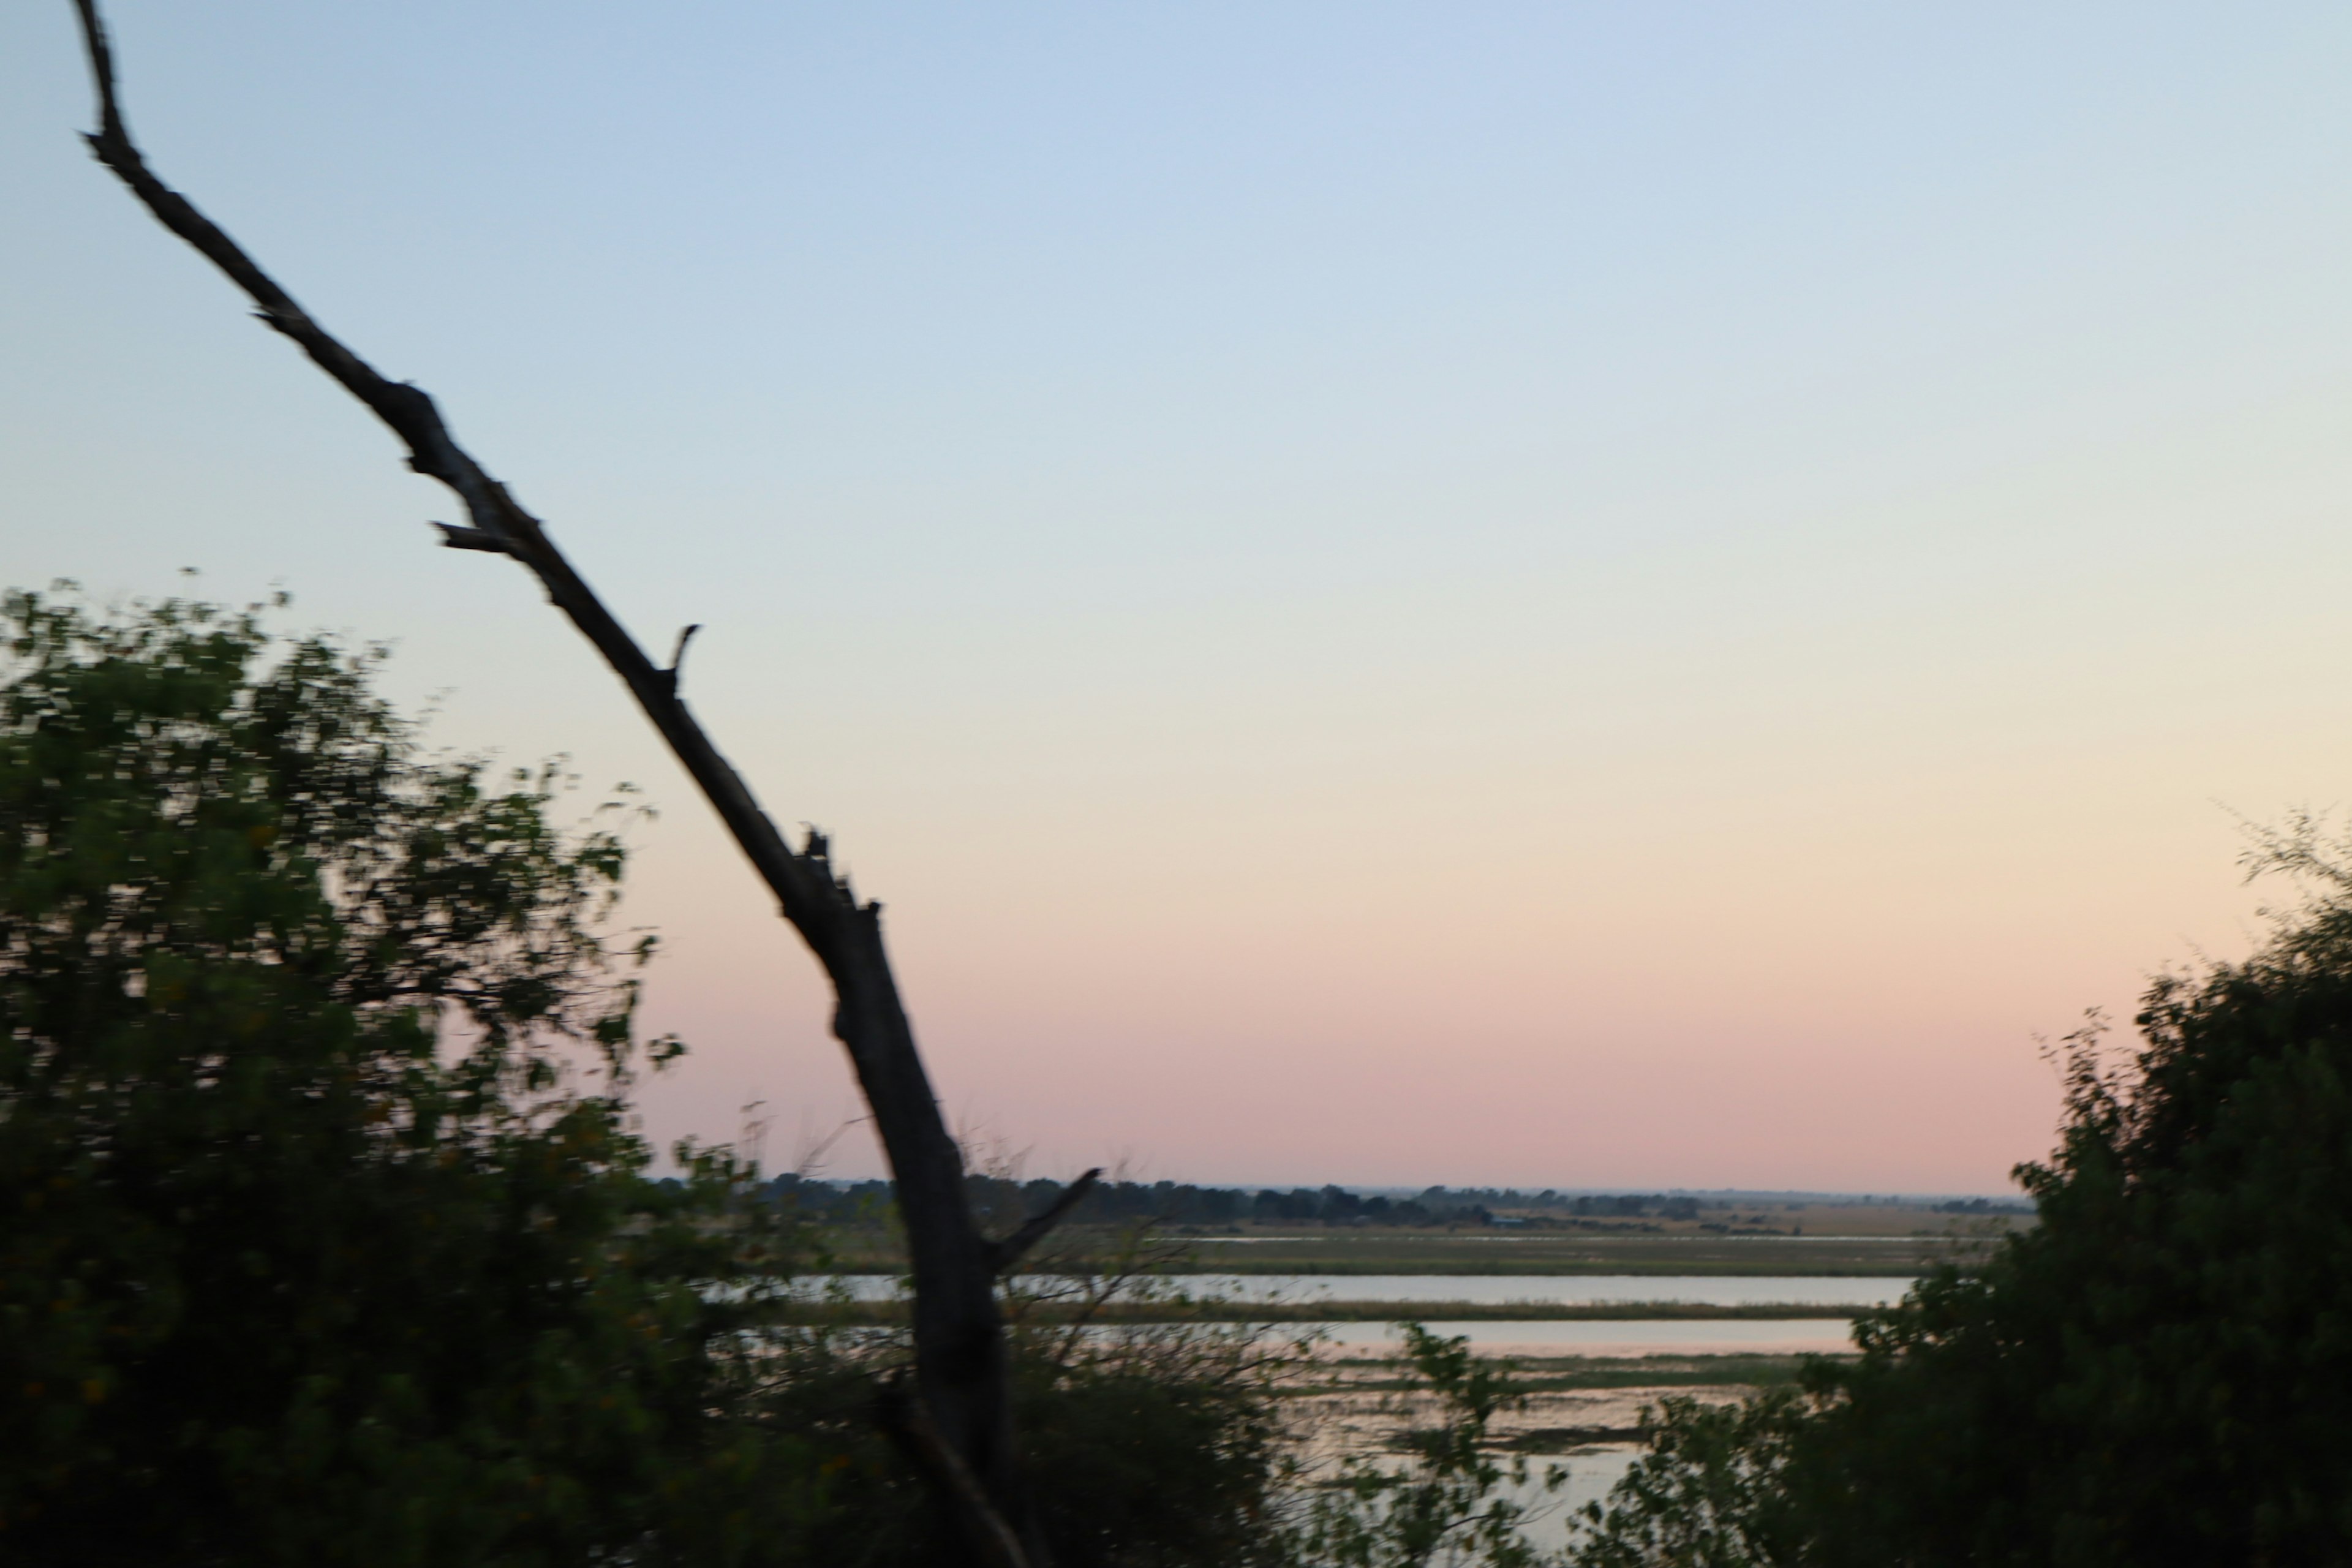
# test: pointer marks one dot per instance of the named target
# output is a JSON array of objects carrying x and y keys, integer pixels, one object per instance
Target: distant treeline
[{"x": 1182, "y": 1204}]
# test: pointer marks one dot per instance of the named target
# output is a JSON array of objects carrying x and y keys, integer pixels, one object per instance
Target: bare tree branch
[
  {"x": 960, "y": 1355},
  {"x": 677, "y": 653},
  {"x": 458, "y": 538},
  {"x": 1004, "y": 1253}
]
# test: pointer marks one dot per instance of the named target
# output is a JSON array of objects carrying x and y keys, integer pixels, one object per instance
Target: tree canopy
[{"x": 328, "y": 1238}]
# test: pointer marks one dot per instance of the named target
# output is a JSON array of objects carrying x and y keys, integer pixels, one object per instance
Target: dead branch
[
  {"x": 457, "y": 538},
  {"x": 960, "y": 1355},
  {"x": 1004, "y": 1253}
]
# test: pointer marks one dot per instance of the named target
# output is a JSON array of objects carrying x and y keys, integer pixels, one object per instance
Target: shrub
[
  {"x": 1447, "y": 1503},
  {"x": 2151, "y": 1374},
  {"x": 326, "y": 1236},
  {"x": 1144, "y": 1445}
]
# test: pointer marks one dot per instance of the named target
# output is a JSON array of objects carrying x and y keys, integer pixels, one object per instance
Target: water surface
[
  {"x": 1493, "y": 1289},
  {"x": 1555, "y": 1289},
  {"x": 1623, "y": 1337}
]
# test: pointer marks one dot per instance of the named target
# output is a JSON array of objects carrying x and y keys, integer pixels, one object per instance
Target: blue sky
[{"x": 1557, "y": 594}]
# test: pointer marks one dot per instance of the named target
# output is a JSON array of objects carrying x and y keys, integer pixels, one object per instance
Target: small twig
[
  {"x": 454, "y": 537},
  {"x": 677, "y": 655}
]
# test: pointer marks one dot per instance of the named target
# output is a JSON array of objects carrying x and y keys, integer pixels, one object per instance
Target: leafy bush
[
  {"x": 327, "y": 1237},
  {"x": 1145, "y": 1446},
  {"x": 1446, "y": 1504},
  {"x": 2151, "y": 1375},
  {"x": 1710, "y": 1493}
]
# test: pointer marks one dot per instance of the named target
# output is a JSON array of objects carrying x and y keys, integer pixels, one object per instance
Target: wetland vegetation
[{"x": 1820, "y": 1238}]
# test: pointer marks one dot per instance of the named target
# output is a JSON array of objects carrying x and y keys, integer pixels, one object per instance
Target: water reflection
[
  {"x": 1485, "y": 1289},
  {"x": 1618, "y": 1337}
]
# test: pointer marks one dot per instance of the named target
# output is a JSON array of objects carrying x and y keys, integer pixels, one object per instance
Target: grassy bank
[{"x": 1829, "y": 1240}]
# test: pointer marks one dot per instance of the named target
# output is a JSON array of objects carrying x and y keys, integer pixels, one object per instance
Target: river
[{"x": 1632, "y": 1335}]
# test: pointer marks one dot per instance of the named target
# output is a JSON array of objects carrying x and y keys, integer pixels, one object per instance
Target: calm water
[
  {"x": 1576, "y": 1290},
  {"x": 1632, "y": 1337},
  {"x": 1701, "y": 1241},
  {"x": 1489, "y": 1289},
  {"x": 1627, "y": 1337},
  {"x": 1592, "y": 1470}
]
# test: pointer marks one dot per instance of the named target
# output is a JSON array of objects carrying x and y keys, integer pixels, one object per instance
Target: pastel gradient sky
[{"x": 1551, "y": 594}]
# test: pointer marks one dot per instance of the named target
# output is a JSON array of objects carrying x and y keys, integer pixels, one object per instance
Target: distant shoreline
[{"x": 1828, "y": 1243}]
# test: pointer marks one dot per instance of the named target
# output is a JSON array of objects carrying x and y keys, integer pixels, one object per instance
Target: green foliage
[
  {"x": 1144, "y": 1445},
  {"x": 1445, "y": 1504},
  {"x": 2151, "y": 1375},
  {"x": 1710, "y": 1493},
  {"x": 1152, "y": 1445},
  {"x": 326, "y": 1239}
]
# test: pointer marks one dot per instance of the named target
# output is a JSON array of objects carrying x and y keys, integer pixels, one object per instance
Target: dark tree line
[{"x": 996, "y": 1200}]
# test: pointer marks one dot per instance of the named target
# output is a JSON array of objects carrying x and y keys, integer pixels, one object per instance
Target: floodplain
[{"x": 1825, "y": 1239}]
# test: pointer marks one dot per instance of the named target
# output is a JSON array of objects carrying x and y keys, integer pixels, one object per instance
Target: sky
[{"x": 1559, "y": 595}]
